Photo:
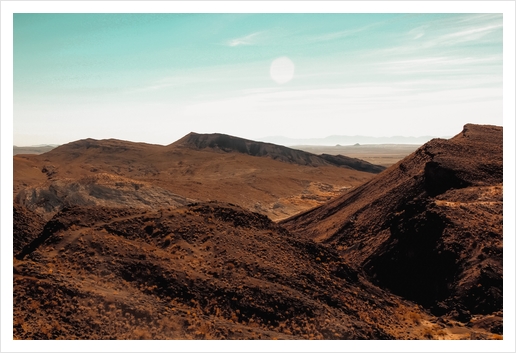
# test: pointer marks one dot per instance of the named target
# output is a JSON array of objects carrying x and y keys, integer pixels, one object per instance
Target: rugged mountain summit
[
  {"x": 229, "y": 143},
  {"x": 429, "y": 228}
]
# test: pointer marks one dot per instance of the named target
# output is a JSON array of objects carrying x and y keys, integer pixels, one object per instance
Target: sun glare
[{"x": 282, "y": 70}]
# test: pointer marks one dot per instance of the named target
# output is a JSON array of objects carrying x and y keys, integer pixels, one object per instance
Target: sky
[{"x": 156, "y": 77}]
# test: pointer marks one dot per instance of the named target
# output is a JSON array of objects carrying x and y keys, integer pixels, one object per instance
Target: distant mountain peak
[
  {"x": 228, "y": 143},
  {"x": 212, "y": 140}
]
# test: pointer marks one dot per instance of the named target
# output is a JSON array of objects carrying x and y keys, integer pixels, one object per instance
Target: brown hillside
[
  {"x": 101, "y": 189},
  {"x": 429, "y": 228},
  {"x": 354, "y": 163},
  {"x": 227, "y": 143},
  {"x": 204, "y": 271},
  {"x": 260, "y": 184}
]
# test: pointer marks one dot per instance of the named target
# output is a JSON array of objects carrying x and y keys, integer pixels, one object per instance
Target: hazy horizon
[
  {"x": 287, "y": 141},
  {"x": 156, "y": 77}
]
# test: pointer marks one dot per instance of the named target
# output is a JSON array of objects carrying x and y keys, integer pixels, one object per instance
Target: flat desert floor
[{"x": 381, "y": 154}]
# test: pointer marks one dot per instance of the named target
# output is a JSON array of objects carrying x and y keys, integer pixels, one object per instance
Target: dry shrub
[
  {"x": 440, "y": 333},
  {"x": 205, "y": 331},
  {"x": 170, "y": 323},
  {"x": 45, "y": 329},
  {"x": 141, "y": 334},
  {"x": 427, "y": 333},
  {"x": 34, "y": 305},
  {"x": 415, "y": 317}
]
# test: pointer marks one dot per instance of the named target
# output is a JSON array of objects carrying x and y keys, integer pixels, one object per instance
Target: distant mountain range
[
  {"x": 36, "y": 149},
  {"x": 36, "y": 146},
  {"x": 348, "y": 140},
  {"x": 324, "y": 141}
]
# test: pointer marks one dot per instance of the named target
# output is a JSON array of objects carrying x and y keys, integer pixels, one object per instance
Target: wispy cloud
[
  {"x": 486, "y": 17},
  {"x": 467, "y": 35},
  {"x": 246, "y": 40},
  {"x": 350, "y": 96},
  {"x": 331, "y": 36},
  {"x": 356, "y": 106},
  {"x": 170, "y": 82},
  {"x": 461, "y": 32},
  {"x": 417, "y": 32},
  {"x": 340, "y": 34},
  {"x": 419, "y": 66},
  {"x": 439, "y": 62},
  {"x": 419, "y": 35},
  {"x": 444, "y": 36}
]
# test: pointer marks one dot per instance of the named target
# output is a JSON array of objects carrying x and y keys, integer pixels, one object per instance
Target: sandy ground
[{"x": 383, "y": 154}]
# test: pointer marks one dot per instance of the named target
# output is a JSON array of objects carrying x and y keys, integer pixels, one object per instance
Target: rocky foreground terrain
[{"x": 413, "y": 253}]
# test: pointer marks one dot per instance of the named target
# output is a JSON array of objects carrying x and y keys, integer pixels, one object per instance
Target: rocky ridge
[{"x": 429, "y": 228}]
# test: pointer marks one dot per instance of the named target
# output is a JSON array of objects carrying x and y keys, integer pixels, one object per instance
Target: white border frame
[{"x": 10, "y": 7}]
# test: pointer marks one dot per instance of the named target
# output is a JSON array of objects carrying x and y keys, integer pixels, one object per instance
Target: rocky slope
[
  {"x": 204, "y": 271},
  {"x": 26, "y": 227},
  {"x": 102, "y": 189},
  {"x": 429, "y": 228}
]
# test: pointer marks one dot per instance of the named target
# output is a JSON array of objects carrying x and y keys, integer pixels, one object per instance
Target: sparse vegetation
[
  {"x": 215, "y": 270},
  {"x": 415, "y": 317}
]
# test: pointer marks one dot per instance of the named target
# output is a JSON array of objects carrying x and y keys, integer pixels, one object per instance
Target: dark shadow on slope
[{"x": 412, "y": 263}]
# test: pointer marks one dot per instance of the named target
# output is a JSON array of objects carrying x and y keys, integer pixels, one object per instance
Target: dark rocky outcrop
[{"x": 26, "y": 227}]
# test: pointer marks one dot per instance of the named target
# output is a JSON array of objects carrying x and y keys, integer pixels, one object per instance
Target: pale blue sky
[{"x": 156, "y": 77}]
